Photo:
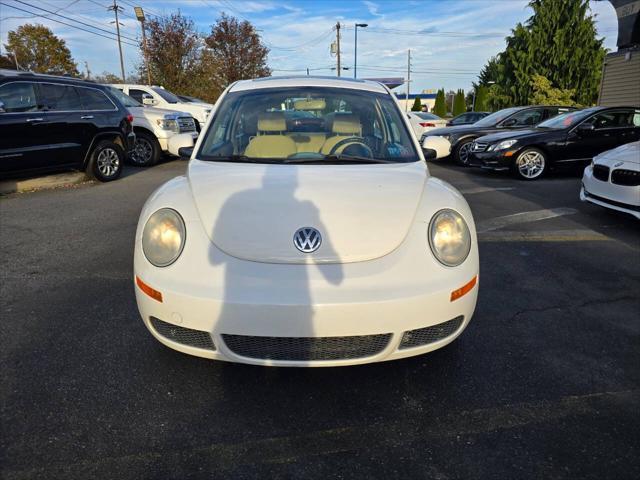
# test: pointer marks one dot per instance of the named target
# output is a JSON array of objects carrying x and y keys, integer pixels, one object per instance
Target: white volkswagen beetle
[{"x": 307, "y": 231}]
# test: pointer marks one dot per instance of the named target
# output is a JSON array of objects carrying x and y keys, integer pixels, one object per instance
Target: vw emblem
[{"x": 307, "y": 239}]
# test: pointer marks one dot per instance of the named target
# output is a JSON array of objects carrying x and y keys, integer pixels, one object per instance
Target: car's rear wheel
[
  {"x": 106, "y": 161},
  {"x": 146, "y": 151},
  {"x": 462, "y": 152},
  {"x": 530, "y": 164}
]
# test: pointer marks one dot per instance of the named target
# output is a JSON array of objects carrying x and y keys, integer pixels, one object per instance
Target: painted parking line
[
  {"x": 472, "y": 191},
  {"x": 523, "y": 217},
  {"x": 543, "y": 236}
]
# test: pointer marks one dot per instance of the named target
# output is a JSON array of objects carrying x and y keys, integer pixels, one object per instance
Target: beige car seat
[
  {"x": 345, "y": 125},
  {"x": 271, "y": 141}
]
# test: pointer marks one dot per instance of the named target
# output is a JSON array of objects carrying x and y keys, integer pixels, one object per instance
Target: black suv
[
  {"x": 50, "y": 123},
  {"x": 462, "y": 136}
]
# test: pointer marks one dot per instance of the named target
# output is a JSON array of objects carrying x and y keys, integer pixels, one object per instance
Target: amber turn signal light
[
  {"x": 462, "y": 291},
  {"x": 155, "y": 294}
]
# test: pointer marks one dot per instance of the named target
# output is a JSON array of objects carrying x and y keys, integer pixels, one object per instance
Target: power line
[
  {"x": 66, "y": 24},
  {"x": 74, "y": 20}
]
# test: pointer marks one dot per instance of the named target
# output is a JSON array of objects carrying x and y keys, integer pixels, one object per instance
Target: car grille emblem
[{"x": 307, "y": 239}]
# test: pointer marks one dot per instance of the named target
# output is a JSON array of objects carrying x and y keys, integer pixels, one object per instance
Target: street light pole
[
  {"x": 141, "y": 19},
  {"x": 355, "y": 53}
]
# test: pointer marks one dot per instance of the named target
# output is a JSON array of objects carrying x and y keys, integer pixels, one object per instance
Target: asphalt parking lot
[{"x": 544, "y": 383}]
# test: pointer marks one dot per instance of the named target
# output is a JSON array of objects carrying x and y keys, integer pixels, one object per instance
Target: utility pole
[
  {"x": 86, "y": 65},
  {"x": 140, "y": 17},
  {"x": 406, "y": 99},
  {"x": 338, "y": 46},
  {"x": 116, "y": 9}
]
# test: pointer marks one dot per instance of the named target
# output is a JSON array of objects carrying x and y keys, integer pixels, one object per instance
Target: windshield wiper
[
  {"x": 338, "y": 158},
  {"x": 241, "y": 159}
]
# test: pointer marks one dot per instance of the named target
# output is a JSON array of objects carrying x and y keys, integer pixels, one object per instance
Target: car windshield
[
  {"x": 496, "y": 117},
  {"x": 166, "y": 94},
  {"x": 125, "y": 99},
  {"x": 566, "y": 120},
  {"x": 308, "y": 125},
  {"x": 428, "y": 116}
]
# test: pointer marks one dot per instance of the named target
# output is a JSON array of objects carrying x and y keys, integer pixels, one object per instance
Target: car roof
[
  {"x": 4, "y": 73},
  {"x": 308, "y": 81}
]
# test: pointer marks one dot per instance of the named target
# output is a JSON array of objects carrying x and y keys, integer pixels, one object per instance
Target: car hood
[
  {"x": 496, "y": 137},
  {"x": 627, "y": 153},
  {"x": 156, "y": 112},
  {"x": 251, "y": 211}
]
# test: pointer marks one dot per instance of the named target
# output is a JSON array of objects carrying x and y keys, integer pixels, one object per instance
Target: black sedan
[
  {"x": 461, "y": 137},
  {"x": 568, "y": 139}
]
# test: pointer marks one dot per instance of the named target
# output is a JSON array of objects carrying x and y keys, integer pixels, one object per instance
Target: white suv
[
  {"x": 159, "y": 97},
  {"x": 153, "y": 128}
]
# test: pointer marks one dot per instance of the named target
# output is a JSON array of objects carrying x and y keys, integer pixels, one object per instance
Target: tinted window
[
  {"x": 60, "y": 97},
  {"x": 526, "y": 117},
  {"x": 95, "y": 100},
  {"x": 167, "y": 95},
  {"x": 615, "y": 119},
  {"x": 137, "y": 94},
  {"x": 496, "y": 117},
  {"x": 18, "y": 97}
]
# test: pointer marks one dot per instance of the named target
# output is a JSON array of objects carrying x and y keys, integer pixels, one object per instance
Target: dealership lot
[{"x": 543, "y": 383}]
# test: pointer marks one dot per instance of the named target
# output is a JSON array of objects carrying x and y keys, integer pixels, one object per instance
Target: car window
[
  {"x": 308, "y": 123},
  {"x": 527, "y": 117},
  {"x": 60, "y": 97},
  {"x": 427, "y": 116},
  {"x": 496, "y": 117},
  {"x": 613, "y": 119},
  {"x": 137, "y": 94},
  {"x": 18, "y": 97},
  {"x": 166, "y": 94},
  {"x": 93, "y": 99},
  {"x": 636, "y": 118},
  {"x": 124, "y": 99}
]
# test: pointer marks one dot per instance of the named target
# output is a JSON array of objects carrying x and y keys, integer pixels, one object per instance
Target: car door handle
[
  {"x": 30, "y": 120},
  {"x": 86, "y": 117}
]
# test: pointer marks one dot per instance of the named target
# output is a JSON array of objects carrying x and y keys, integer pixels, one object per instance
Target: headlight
[
  {"x": 502, "y": 145},
  {"x": 163, "y": 237},
  {"x": 449, "y": 238},
  {"x": 168, "y": 124}
]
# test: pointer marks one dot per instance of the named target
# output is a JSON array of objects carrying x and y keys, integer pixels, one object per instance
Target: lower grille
[
  {"x": 185, "y": 336},
  {"x": 635, "y": 208},
  {"x": 186, "y": 124},
  {"x": 427, "y": 335},
  {"x": 629, "y": 178},
  {"x": 307, "y": 348},
  {"x": 600, "y": 172},
  {"x": 479, "y": 146}
]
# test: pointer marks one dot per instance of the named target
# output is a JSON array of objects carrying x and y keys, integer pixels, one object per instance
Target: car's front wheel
[
  {"x": 462, "y": 153},
  {"x": 106, "y": 161},
  {"x": 146, "y": 151},
  {"x": 530, "y": 164}
]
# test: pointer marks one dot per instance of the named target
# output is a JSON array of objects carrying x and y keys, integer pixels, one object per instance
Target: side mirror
[
  {"x": 430, "y": 154},
  {"x": 510, "y": 122},
  {"x": 585, "y": 128},
  {"x": 435, "y": 147},
  {"x": 148, "y": 99},
  {"x": 2, "y": 110},
  {"x": 181, "y": 145}
]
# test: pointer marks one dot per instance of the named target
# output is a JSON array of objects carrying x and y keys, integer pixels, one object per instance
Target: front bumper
[
  {"x": 491, "y": 160},
  {"x": 606, "y": 194},
  {"x": 164, "y": 140},
  {"x": 210, "y": 292}
]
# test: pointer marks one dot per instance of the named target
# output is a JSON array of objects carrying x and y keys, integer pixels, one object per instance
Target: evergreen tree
[
  {"x": 481, "y": 99},
  {"x": 440, "y": 108},
  {"x": 417, "y": 105},
  {"x": 459, "y": 105},
  {"x": 558, "y": 42}
]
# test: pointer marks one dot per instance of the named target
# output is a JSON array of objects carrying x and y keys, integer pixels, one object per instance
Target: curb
[{"x": 40, "y": 183}]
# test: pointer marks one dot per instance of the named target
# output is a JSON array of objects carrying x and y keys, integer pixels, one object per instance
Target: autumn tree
[
  {"x": 7, "y": 61},
  {"x": 107, "y": 77},
  {"x": 237, "y": 50},
  {"x": 174, "y": 49},
  {"x": 37, "y": 49}
]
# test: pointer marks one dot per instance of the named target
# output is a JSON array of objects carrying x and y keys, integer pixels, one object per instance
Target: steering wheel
[{"x": 358, "y": 142}]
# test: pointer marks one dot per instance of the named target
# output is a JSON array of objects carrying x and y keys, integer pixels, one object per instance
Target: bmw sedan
[
  {"x": 285, "y": 245},
  {"x": 566, "y": 140}
]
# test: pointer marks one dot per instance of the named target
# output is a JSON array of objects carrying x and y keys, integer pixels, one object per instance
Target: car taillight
[
  {"x": 130, "y": 118},
  {"x": 427, "y": 124}
]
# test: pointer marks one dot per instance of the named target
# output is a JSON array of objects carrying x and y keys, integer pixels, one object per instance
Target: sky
[{"x": 450, "y": 40}]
